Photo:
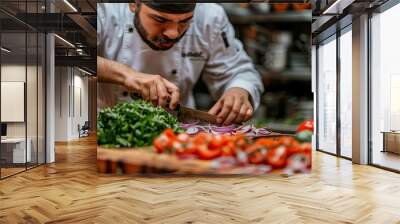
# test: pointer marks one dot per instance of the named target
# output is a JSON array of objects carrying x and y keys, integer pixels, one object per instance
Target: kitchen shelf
[
  {"x": 295, "y": 75},
  {"x": 284, "y": 17}
]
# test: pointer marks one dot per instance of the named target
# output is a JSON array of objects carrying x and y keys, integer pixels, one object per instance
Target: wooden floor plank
[{"x": 71, "y": 191}]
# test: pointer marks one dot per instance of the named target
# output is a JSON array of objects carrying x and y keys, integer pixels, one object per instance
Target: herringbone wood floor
[{"x": 70, "y": 191}]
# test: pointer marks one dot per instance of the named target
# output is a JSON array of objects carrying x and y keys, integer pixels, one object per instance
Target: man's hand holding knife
[{"x": 233, "y": 107}]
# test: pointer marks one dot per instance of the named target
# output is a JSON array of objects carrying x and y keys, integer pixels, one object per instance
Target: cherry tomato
[
  {"x": 269, "y": 142},
  {"x": 191, "y": 148},
  {"x": 204, "y": 153},
  {"x": 183, "y": 138},
  {"x": 216, "y": 142},
  {"x": 229, "y": 149},
  {"x": 277, "y": 157},
  {"x": 170, "y": 133},
  {"x": 202, "y": 138},
  {"x": 294, "y": 148},
  {"x": 176, "y": 145},
  {"x": 256, "y": 157},
  {"x": 306, "y": 147},
  {"x": 162, "y": 143},
  {"x": 287, "y": 140},
  {"x": 306, "y": 125}
]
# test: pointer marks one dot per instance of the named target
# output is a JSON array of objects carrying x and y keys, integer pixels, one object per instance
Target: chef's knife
[{"x": 186, "y": 114}]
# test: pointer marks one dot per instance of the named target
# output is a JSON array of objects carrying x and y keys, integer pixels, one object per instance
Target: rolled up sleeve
[
  {"x": 100, "y": 28},
  {"x": 228, "y": 64}
]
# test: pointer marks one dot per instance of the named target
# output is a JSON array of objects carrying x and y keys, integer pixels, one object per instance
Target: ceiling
[{"x": 72, "y": 20}]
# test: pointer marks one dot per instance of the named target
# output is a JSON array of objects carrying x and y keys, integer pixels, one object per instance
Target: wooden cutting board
[
  {"x": 143, "y": 161},
  {"x": 146, "y": 161}
]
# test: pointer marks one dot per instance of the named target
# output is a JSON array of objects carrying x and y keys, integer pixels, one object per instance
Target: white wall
[
  {"x": 61, "y": 103},
  {"x": 34, "y": 125},
  {"x": 69, "y": 85},
  {"x": 13, "y": 73}
]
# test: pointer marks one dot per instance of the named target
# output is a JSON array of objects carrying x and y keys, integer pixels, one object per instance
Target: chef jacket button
[
  {"x": 130, "y": 29},
  {"x": 174, "y": 72}
]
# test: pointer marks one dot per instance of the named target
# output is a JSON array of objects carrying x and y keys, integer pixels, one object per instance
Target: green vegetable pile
[{"x": 133, "y": 124}]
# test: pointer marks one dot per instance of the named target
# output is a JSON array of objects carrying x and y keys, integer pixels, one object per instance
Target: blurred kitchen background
[{"x": 278, "y": 39}]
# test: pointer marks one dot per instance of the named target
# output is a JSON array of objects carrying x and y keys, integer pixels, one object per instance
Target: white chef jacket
[{"x": 208, "y": 50}]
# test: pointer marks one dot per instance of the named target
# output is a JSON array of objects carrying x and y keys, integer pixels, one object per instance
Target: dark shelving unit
[{"x": 271, "y": 17}]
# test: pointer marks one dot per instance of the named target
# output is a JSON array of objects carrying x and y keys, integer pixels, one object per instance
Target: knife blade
[{"x": 186, "y": 114}]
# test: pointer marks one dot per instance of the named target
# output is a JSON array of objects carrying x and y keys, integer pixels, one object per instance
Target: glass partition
[
  {"x": 327, "y": 96},
  {"x": 15, "y": 151},
  {"x": 385, "y": 89},
  {"x": 22, "y": 88},
  {"x": 346, "y": 93}
]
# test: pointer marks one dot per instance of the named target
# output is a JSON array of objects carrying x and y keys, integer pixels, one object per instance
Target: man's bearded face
[{"x": 160, "y": 30}]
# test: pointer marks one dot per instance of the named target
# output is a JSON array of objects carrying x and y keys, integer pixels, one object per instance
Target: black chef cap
[{"x": 168, "y": 6}]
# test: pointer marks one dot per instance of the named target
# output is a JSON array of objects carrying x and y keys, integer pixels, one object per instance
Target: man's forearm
[{"x": 111, "y": 71}]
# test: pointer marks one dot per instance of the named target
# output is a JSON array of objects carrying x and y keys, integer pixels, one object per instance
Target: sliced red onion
[
  {"x": 188, "y": 125},
  {"x": 263, "y": 133},
  {"x": 232, "y": 126},
  {"x": 223, "y": 129},
  {"x": 248, "y": 130},
  {"x": 215, "y": 132},
  {"x": 243, "y": 129},
  {"x": 192, "y": 130}
]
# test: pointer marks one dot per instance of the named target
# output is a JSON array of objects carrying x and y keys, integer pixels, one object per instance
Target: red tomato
[
  {"x": 170, "y": 133},
  {"x": 294, "y": 148},
  {"x": 252, "y": 148},
  {"x": 229, "y": 149},
  {"x": 204, "y": 153},
  {"x": 216, "y": 142},
  {"x": 162, "y": 143},
  {"x": 299, "y": 148},
  {"x": 241, "y": 143},
  {"x": 183, "y": 138},
  {"x": 191, "y": 148},
  {"x": 256, "y": 158},
  {"x": 176, "y": 145},
  {"x": 202, "y": 138},
  {"x": 277, "y": 157},
  {"x": 306, "y": 147},
  {"x": 306, "y": 125},
  {"x": 269, "y": 142},
  {"x": 287, "y": 140}
]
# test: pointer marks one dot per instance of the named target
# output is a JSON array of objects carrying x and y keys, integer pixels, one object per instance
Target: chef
[{"x": 160, "y": 50}]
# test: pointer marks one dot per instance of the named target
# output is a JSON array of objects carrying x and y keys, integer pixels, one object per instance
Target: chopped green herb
[{"x": 133, "y": 124}]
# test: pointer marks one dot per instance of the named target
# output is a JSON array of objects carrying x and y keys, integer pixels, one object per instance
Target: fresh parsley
[{"x": 133, "y": 124}]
